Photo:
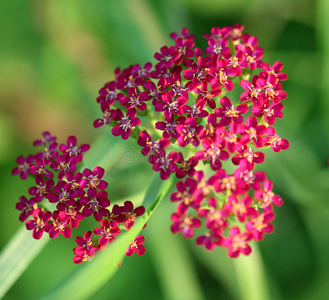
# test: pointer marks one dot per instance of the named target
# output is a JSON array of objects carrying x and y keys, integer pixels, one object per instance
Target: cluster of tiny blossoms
[
  {"x": 75, "y": 196},
  {"x": 195, "y": 109}
]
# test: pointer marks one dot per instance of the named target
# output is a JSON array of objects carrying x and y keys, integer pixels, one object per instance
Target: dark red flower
[
  {"x": 125, "y": 123},
  {"x": 26, "y": 207},
  {"x": 184, "y": 223},
  {"x": 237, "y": 242},
  {"x": 93, "y": 179},
  {"x": 136, "y": 246},
  {"x": 24, "y": 165},
  {"x": 39, "y": 224},
  {"x": 108, "y": 231},
  {"x": 230, "y": 113},
  {"x": 188, "y": 132}
]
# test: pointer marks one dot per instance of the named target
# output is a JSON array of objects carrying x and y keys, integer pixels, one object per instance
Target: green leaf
[
  {"x": 17, "y": 256},
  {"x": 89, "y": 277}
]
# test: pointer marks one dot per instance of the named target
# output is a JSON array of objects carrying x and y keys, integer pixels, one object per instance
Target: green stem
[{"x": 251, "y": 276}]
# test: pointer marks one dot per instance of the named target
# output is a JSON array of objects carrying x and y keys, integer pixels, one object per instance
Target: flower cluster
[
  {"x": 192, "y": 112},
  {"x": 70, "y": 197}
]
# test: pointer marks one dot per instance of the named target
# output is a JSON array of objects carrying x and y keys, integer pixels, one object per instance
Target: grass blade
[{"x": 17, "y": 256}]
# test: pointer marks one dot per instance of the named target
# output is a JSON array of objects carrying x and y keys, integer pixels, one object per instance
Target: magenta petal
[
  {"x": 53, "y": 233},
  {"x": 37, "y": 233},
  {"x": 225, "y": 102},
  {"x": 67, "y": 233}
]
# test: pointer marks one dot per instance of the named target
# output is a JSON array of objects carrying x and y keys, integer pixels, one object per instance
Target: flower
[
  {"x": 128, "y": 214},
  {"x": 266, "y": 196},
  {"x": 24, "y": 165},
  {"x": 77, "y": 195},
  {"x": 229, "y": 112},
  {"x": 184, "y": 223},
  {"x": 71, "y": 148},
  {"x": 93, "y": 179},
  {"x": 95, "y": 203},
  {"x": 237, "y": 242},
  {"x": 59, "y": 226},
  {"x": 40, "y": 223},
  {"x": 85, "y": 250},
  {"x": 26, "y": 207},
  {"x": 136, "y": 246},
  {"x": 188, "y": 132},
  {"x": 125, "y": 123},
  {"x": 108, "y": 231}
]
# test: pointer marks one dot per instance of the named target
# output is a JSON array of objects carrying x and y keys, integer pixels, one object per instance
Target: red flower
[
  {"x": 272, "y": 139},
  {"x": 136, "y": 246},
  {"x": 26, "y": 207},
  {"x": 95, "y": 204},
  {"x": 213, "y": 152},
  {"x": 39, "y": 224},
  {"x": 72, "y": 150},
  {"x": 24, "y": 166},
  {"x": 164, "y": 164},
  {"x": 59, "y": 226},
  {"x": 85, "y": 250},
  {"x": 237, "y": 242},
  {"x": 108, "y": 231},
  {"x": 221, "y": 74},
  {"x": 167, "y": 56},
  {"x": 93, "y": 179},
  {"x": 134, "y": 100},
  {"x": 126, "y": 124},
  {"x": 211, "y": 239},
  {"x": 229, "y": 112},
  {"x": 266, "y": 196},
  {"x": 260, "y": 225},
  {"x": 188, "y": 131},
  {"x": 128, "y": 214},
  {"x": 270, "y": 112},
  {"x": 184, "y": 223}
]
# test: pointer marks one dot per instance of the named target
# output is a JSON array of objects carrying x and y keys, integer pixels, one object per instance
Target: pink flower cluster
[
  {"x": 74, "y": 196},
  {"x": 191, "y": 113}
]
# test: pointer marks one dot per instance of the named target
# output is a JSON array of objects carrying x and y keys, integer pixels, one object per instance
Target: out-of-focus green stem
[
  {"x": 323, "y": 41},
  {"x": 251, "y": 276},
  {"x": 173, "y": 262}
]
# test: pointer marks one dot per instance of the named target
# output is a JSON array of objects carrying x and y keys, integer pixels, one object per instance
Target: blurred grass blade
[
  {"x": 16, "y": 257},
  {"x": 89, "y": 277},
  {"x": 323, "y": 40},
  {"x": 221, "y": 267},
  {"x": 251, "y": 276},
  {"x": 174, "y": 265}
]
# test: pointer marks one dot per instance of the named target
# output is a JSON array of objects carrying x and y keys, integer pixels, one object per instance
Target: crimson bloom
[
  {"x": 40, "y": 223},
  {"x": 24, "y": 165},
  {"x": 136, "y": 246},
  {"x": 229, "y": 112},
  {"x": 126, "y": 124},
  {"x": 237, "y": 242}
]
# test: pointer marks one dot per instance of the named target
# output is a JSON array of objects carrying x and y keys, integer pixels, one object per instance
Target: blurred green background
[{"x": 54, "y": 57}]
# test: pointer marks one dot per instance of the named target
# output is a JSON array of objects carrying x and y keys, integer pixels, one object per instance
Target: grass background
[{"x": 55, "y": 55}]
